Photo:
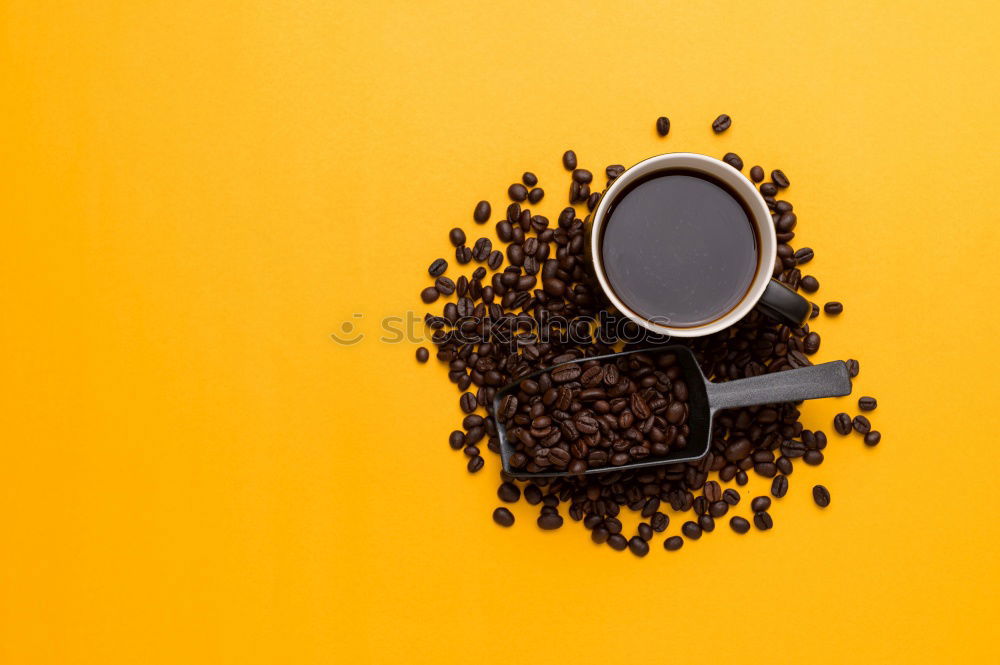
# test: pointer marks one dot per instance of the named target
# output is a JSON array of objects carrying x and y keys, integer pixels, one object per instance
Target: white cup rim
[{"x": 715, "y": 168}]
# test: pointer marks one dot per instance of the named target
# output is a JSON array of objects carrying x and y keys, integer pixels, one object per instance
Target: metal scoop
[{"x": 705, "y": 398}]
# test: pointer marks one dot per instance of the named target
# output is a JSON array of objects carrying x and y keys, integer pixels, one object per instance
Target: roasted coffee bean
[
  {"x": 813, "y": 457},
  {"x": 550, "y": 521},
  {"x": 706, "y": 523},
  {"x": 638, "y": 546},
  {"x": 444, "y": 286},
  {"x": 733, "y": 160},
  {"x": 468, "y": 402},
  {"x": 691, "y": 530},
  {"x": 659, "y": 521},
  {"x": 739, "y": 525},
  {"x": 821, "y": 496},
  {"x": 457, "y": 237},
  {"x": 810, "y": 343},
  {"x": 503, "y": 517},
  {"x": 481, "y": 250},
  {"x": 815, "y": 310},
  {"x": 867, "y": 403},
  {"x": 614, "y": 171},
  {"x": 809, "y": 284},
  {"x": 760, "y": 504},
  {"x": 422, "y": 354},
  {"x": 779, "y": 487},
  {"x": 569, "y": 160},
  {"x": 833, "y": 308},
  {"x": 873, "y": 438},
  {"x": 437, "y": 268},
  {"x": 429, "y": 295},
  {"x": 861, "y": 424},
  {"x": 495, "y": 259},
  {"x": 505, "y": 231},
  {"x": 599, "y": 535},
  {"x": 718, "y": 509},
  {"x": 662, "y": 125},
  {"x": 517, "y": 192},
  {"x": 779, "y": 178},
  {"x": 463, "y": 254},
  {"x": 532, "y": 494},
  {"x": 784, "y": 465},
  {"x": 645, "y": 531},
  {"x": 731, "y": 496},
  {"x": 673, "y": 543},
  {"x": 741, "y": 478},
  {"x": 509, "y": 492},
  {"x": 535, "y": 195},
  {"x": 763, "y": 521},
  {"x": 482, "y": 212},
  {"x": 475, "y": 464},
  {"x": 582, "y": 176},
  {"x": 617, "y": 542},
  {"x": 721, "y": 124},
  {"x": 593, "y": 200},
  {"x": 768, "y": 189},
  {"x": 456, "y": 440},
  {"x": 803, "y": 256},
  {"x": 756, "y": 174},
  {"x": 842, "y": 423},
  {"x": 529, "y": 179},
  {"x": 853, "y": 368}
]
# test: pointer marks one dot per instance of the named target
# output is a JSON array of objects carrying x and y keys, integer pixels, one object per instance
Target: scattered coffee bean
[
  {"x": 550, "y": 521},
  {"x": 721, "y": 124},
  {"x": 760, "y": 504},
  {"x": 645, "y": 531},
  {"x": 779, "y": 178},
  {"x": 482, "y": 212},
  {"x": 638, "y": 546},
  {"x": 662, "y": 125},
  {"x": 867, "y": 403},
  {"x": 617, "y": 542},
  {"x": 503, "y": 517},
  {"x": 821, "y": 496},
  {"x": 842, "y": 424},
  {"x": 731, "y": 496},
  {"x": 569, "y": 160},
  {"x": 733, "y": 160},
  {"x": 614, "y": 171},
  {"x": 768, "y": 189},
  {"x": 813, "y": 457},
  {"x": 691, "y": 530},
  {"x": 463, "y": 254},
  {"x": 437, "y": 268},
  {"x": 803, "y": 256},
  {"x": 529, "y": 179},
  {"x": 582, "y": 176},
  {"x": 659, "y": 522},
  {"x": 532, "y": 494},
  {"x": 853, "y": 368},
  {"x": 873, "y": 438},
  {"x": 763, "y": 521},
  {"x": 809, "y": 284},
  {"x": 509, "y": 492},
  {"x": 673, "y": 543},
  {"x": 475, "y": 464},
  {"x": 535, "y": 195},
  {"x": 457, "y": 237},
  {"x": 517, "y": 192},
  {"x": 422, "y": 354},
  {"x": 833, "y": 308},
  {"x": 456, "y": 440},
  {"x": 429, "y": 295},
  {"x": 756, "y": 174},
  {"x": 468, "y": 402},
  {"x": 706, "y": 523},
  {"x": 861, "y": 424},
  {"x": 779, "y": 486},
  {"x": 739, "y": 525}
]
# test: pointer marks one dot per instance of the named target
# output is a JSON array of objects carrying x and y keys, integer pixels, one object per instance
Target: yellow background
[{"x": 194, "y": 195}]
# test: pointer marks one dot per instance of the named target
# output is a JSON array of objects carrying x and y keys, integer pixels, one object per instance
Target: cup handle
[{"x": 785, "y": 305}]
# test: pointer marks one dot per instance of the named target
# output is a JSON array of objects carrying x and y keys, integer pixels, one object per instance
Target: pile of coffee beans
[
  {"x": 597, "y": 413},
  {"x": 502, "y": 323}
]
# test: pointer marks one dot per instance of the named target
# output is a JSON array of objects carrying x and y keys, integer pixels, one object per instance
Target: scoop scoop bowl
[{"x": 705, "y": 399}]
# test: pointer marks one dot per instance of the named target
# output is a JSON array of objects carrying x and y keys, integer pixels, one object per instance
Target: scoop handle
[{"x": 827, "y": 380}]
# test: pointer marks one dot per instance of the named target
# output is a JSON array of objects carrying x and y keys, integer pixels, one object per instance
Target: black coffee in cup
[{"x": 679, "y": 248}]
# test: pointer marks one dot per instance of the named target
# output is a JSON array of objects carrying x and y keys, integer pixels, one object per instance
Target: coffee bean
[
  {"x": 569, "y": 160},
  {"x": 495, "y": 259},
  {"x": 444, "y": 286},
  {"x": 614, "y": 171},
  {"x": 721, "y": 124},
  {"x": 691, "y": 530},
  {"x": 733, "y": 160},
  {"x": 867, "y": 403},
  {"x": 821, "y": 496},
  {"x": 731, "y": 496},
  {"x": 582, "y": 176},
  {"x": 475, "y": 464},
  {"x": 593, "y": 200},
  {"x": 517, "y": 192},
  {"x": 673, "y": 543},
  {"x": 803, "y": 256},
  {"x": 763, "y": 521},
  {"x": 457, "y": 237},
  {"x": 809, "y": 284},
  {"x": 482, "y": 212},
  {"x": 456, "y": 440},
  {"x": 833, "y": 308},
  {"x": 779, "y": 179},
  {"x": 779, "y": 487},
  {"x": 599, "y": 535},
  {"x": 861, "y": 424},
  {"x": 760, "y": 504},
  {"x": 422, "y": 354},
  {"x": 873, "y": 438},
  {"x": 503, "y": 517},
  {"x": 662, "y": 125},
  {"x": 813, "y": 457},
  {"x": 437, "y": 268},
  {"x": 509, "y": 492},
  {"x": 741, "y": 478},
  {"x": 814, "y": 310},
  {"x": 756, "y": 174},
  {"x": 645, "y": 531},
  {"x": 706, "y": 523},
  {"x": 853, "y": 368},
  {"x": 529, "y": 179},
  {"x": 739, "y": 525},
  {"x": 535, "y": 195},
  {"x": 549, "y": 522},
  {"x": 638, "y": 546},
  {"x": 532, "y": 494},
  {"x": 810, "y": 343},
  {"x": 463, "y": 254},
  {"x": 768, "y": 189},
  {"x": 659, "y": 521},
  {"x": 429, "y": 295},
  {"x": 468, "y": 402},
  {"x": 842, "y": 423},
  {"x": 617, "y": 542},
  {"x": 784, "y": 465}
]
